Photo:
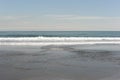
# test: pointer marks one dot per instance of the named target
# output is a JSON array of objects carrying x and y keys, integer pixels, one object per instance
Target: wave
[{"x": 58, "y": 40}]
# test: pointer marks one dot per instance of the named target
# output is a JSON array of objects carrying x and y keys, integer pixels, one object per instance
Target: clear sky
[{"x": 42, "y": 15}]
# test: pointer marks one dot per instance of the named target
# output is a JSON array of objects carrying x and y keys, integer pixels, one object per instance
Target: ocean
[
  {"x": 59, "y": 55},
  {"x": 60, "y": 33},
  {"x": 58, "y": 37}
]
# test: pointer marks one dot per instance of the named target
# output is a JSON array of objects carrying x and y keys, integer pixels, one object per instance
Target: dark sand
[{"x": 80, "y": 62}]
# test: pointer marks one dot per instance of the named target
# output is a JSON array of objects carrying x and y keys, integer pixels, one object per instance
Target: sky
[{"x": 59, "y": 15}]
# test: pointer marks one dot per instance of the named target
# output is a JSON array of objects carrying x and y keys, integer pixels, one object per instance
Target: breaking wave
[{"x": 58, "y": 40}]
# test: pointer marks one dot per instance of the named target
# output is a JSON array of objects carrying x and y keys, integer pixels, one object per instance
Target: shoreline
[{"x": 85, "y": 62}]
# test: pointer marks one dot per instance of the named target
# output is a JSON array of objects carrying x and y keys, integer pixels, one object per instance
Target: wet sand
[{"x": 78, "y": 62}]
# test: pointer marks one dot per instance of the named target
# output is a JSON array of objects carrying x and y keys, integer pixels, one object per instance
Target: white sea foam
[{"x": 58, "y": 40}]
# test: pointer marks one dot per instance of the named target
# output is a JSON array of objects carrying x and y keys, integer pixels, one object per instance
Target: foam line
[{"x": 58, "y": 40}]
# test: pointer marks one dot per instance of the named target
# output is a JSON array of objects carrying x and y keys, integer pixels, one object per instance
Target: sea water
[
  {"x": 59, "y": 55},
  {"x": 58, "y": 37}
]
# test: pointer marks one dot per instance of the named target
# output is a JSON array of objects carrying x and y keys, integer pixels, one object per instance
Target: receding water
[{"x": 60, "y": 62}]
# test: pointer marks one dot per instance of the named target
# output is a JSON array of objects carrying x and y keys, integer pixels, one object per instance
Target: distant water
[
  {"x": 60, "y": 33},
  {"x": 58, "y": 37}
]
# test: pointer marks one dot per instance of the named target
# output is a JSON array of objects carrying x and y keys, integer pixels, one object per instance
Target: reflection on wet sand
[{"x": 58, "y": 62}]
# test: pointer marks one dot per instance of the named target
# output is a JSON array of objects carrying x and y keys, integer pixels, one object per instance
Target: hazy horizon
[{"x": 59, "y": 15}]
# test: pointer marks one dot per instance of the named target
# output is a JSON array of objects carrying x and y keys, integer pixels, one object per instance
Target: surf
[{"x": 58, "y": 40}]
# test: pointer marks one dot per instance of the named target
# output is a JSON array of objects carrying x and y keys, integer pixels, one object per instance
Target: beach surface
[{"x": 60, "y": 62}]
